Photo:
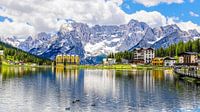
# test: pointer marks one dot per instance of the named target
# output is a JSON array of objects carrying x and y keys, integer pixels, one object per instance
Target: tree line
[
  {"x": 121, "y": 55},
  {"x": 172, "y": 50},
  {"x": 175, "y": 49},
  {"x": 15, "y": 54}
]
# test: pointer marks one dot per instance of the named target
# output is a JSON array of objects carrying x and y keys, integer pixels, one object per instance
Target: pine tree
[{"x": 175, "y": 49}]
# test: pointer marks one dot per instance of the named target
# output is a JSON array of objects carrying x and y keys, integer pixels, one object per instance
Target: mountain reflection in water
[{"x": 46, "y": 89}]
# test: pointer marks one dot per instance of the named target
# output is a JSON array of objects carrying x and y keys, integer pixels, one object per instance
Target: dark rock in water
[
  {"x": 68, "y": 108},
  {"x": 77, "y": 100},
  {"x": 93, "y": 104}
]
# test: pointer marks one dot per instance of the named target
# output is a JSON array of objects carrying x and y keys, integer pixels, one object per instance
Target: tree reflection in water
[{"x": 53, "y": 89}]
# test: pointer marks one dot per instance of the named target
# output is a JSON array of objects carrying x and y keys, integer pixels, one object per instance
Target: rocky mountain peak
[
  {"x": 11, "y": 40},
  {"x": 66, "y": 28},
  {"x": 132, "y": 22},
  {"x": 194, "y": 33},
  {"x": 100, "y": 40},
  {"x": 43, "y": 36},
  {"x": 29, "y": 38}
]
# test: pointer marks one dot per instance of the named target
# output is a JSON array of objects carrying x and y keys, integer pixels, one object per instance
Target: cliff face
[{"x": 93, "y": 43}]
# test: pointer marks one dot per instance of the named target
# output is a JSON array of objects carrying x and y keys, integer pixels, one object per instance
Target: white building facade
[
  {"x": 145, "y": 54},
  {"x": 168, "y": 61},
  {"x": 109, "y": 61},
  {"x": 1, "y": 52}
]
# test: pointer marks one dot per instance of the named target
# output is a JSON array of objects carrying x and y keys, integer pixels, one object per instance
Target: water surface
[{"x": 55, "y": 90}]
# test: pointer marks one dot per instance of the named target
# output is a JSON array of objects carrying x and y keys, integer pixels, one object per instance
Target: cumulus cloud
[
  {"x": 188, "y": 26},
  {"x": 185, "y": 26},
  {"x": 154, "y": 19},
  {"x": 193, "y": 14},
  {"x": 42, "y": 15},
  {"x": 8, "y": 28},
  {"x": 149, "y": 3},
  {"x": 191, "y": 1}
]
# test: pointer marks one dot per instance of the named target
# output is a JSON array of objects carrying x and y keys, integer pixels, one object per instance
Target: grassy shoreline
[
  {"x": 26, "y": 65},
  {"x": 116, "y": 66}
]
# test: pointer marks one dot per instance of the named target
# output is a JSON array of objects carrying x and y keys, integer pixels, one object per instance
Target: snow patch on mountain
[
  {"x": 10, "y": 40},
  {"x": 97, "y": 41}
]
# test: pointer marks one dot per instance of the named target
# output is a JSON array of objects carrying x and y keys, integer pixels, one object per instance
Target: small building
[
  {"x": 67, "y": 59},
  {"x": 124, "y": 61},
  {"x": 169, "y": 61},
  {"x": 188, "y": 58},
  {"x": 1, "y": 52},
  {"x": 109, "y": 61},
  {"x": 143, "y": 55},
  {"x": 19, "y": 63},
  {"x": 105, "y": 61},
  {"x": 158, "y": 61},
  {"x": 34, "y": 64}
]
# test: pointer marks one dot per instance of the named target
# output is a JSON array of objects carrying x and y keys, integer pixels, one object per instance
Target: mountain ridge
[
  {"x": 93, "y": 41},
  {"x": 13, "y": 55}
]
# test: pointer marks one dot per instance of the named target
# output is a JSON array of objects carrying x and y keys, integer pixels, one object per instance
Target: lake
[{"x": 56, "y": 90}]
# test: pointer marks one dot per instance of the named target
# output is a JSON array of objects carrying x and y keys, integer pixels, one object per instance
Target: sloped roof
[
  {"x": 143, "y": 48},
  {"x": 188, "y": 53},
  {"x": 169, "y": 58}
]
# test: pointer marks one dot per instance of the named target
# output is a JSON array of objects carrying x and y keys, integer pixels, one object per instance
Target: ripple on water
[{"x": 96, "y": 90}]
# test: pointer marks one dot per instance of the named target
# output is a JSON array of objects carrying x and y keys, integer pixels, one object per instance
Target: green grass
[
  {"x": 4, "y": 63},
  {"x": 198, "y": 72},
  {"x": 151, "y": 67},
  {"x": 116, "y": 66},
  {"x": 189, "y": 79}
]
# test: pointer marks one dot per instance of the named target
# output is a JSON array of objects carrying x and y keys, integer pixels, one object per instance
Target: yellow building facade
[
  {"x": 158, "y": 61},
  {"x": 67, "y": 59}
]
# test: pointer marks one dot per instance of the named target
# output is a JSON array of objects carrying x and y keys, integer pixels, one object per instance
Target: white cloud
[
  {"x": 42, "y": 15},
  {"x": 191, "y": 1},
  {"x": 15, "y": 29},
  {"x": 149, "y": 3},
  {"x": 188, "y": 26},
  {"x": 154, "y": 18},
  {"x": 193, "y": 14},
  {"x": 172, "y": 20},
  {"x": 185, "y": 26}
]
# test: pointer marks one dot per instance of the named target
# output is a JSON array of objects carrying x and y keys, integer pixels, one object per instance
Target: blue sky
[
  {"x": 23, "y": 19},
  {"x": 2, "y": 19},
  {"x": 182, "y": 10}
]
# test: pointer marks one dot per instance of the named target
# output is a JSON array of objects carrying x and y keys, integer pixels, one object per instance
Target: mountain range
[{"x": 92, "y": 43}]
